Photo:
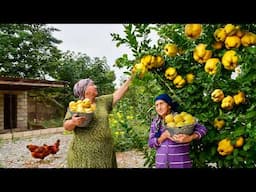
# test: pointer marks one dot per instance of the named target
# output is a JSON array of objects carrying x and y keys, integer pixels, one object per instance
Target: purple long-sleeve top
[{"x": 170, "y": 154}]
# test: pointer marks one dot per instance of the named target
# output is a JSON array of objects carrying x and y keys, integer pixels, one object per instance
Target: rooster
[{"x": 40, "y": 152}]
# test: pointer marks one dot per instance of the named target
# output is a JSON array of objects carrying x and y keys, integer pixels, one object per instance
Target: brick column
[
  {"x": 1, "y": 112},
  {"x": 22, "y": 110}
]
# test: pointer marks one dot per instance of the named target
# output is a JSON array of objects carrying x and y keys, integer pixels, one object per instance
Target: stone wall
[{"x": 41, "y": 110}]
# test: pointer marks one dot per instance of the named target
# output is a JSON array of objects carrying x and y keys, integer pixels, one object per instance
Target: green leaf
[
  {"x": 246, "y": 146},
  {"x": 250, "y": 115}
]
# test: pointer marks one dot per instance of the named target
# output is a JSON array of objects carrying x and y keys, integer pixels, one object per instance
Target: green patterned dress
[{"x": 92, "y": 147}]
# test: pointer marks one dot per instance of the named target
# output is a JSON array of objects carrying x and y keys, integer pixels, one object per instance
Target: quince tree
[{"x": 209, "y": 69}]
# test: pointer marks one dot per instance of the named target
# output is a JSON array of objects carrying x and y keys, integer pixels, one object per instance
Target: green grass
[{"x": 58, "y": 122}]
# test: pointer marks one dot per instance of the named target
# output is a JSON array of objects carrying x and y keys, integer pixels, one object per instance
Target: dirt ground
[
  {"x": 14, "y": 154},
  {"x": 130, "y": 159}
]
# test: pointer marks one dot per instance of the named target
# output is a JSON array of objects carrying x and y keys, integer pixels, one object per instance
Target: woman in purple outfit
[{"x": 172, "y": 151}]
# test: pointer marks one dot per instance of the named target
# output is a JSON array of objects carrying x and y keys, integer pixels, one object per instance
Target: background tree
[
  {"x": 75, "y": 66},
  {"x": 28, "y": 50}
]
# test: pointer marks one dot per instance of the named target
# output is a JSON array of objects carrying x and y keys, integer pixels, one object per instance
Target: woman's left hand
[{"x": 181, "y": 138}]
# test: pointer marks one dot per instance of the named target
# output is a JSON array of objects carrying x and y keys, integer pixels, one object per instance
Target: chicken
[
  {"x": 40, "y": 152},
  {"x": 55, "y": 147},
  {"x": 32, "y": 147}
]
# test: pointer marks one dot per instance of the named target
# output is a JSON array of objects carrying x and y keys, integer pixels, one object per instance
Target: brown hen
[
  {"x": 55, "y": 147},
  {"x": 40, "y": 152}
]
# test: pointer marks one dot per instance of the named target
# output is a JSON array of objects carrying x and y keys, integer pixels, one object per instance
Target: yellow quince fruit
[
  {"x": 239, "y": 142},
  {"x": 171, "y": 49},
  {"x": 193, "y": 30}
]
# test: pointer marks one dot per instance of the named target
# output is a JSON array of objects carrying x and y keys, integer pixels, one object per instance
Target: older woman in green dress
[{"x": 93, "y": 147}]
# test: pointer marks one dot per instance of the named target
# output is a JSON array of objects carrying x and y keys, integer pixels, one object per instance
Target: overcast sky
[{"x": 94, "y": 40}]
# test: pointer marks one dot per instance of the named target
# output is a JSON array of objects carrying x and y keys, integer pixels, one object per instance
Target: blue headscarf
[
  {"x": 174, "y": 107},
  {"x": 165, "y": 97}
]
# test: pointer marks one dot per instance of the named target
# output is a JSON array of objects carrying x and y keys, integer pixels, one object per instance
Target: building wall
[{"x": 29, "y": 110}]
